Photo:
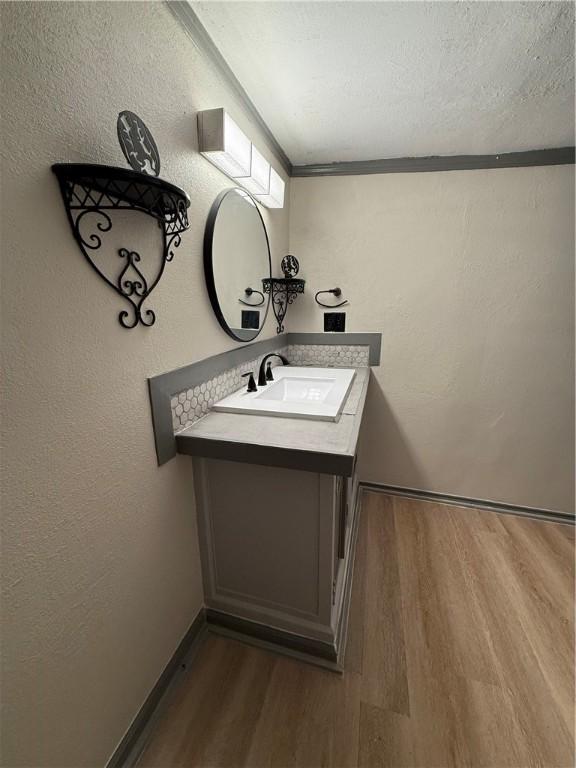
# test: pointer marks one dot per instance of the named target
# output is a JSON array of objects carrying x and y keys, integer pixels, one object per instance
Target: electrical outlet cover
[
  {"x": 335, "y": 322},
  {"x": 251, "y": 319}
]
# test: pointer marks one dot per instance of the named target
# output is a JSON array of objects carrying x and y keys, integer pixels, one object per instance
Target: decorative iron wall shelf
[
  {"x": 283, "y": 290},
  {"x": 90, "y": 192}
]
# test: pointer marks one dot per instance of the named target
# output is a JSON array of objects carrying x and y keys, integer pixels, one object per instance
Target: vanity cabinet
[
  {"x": 277, "y": 553},
  {"x": 277, "y": 509}
]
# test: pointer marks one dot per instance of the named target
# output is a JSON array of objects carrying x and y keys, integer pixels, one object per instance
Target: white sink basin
[{"x": 303, "y": 393}]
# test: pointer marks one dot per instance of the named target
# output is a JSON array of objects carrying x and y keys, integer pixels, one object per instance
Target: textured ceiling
[{"x": 340, "y": 81}]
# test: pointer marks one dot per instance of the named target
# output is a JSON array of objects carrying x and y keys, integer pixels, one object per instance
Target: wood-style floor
[{"x": 460, "y": 653}]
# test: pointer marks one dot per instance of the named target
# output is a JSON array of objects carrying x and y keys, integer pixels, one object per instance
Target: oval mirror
[{"x": 236, "y": 260}]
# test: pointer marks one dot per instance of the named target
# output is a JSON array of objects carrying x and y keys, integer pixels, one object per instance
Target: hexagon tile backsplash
[
  {"x": 191, "y": 404},
  {"x": 329, "y": 355}
]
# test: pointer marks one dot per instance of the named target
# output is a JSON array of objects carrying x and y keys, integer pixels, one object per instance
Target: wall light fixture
[
  {"x": 275, "y": 196},
  {"x": 224, "y": 144},
  {"x": 258, "y": 182}
]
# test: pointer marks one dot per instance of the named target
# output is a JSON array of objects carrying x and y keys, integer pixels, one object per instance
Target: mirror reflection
[{"x": 236, "y": 260}]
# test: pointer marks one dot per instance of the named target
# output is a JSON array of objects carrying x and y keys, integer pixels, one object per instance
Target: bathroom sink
[{"x": 303, "y": 393}]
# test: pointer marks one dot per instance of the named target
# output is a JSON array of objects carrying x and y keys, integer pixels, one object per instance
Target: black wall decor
[
  {"x": 90, "y": 192},
  {"x": 290, "y": 266},
  {"x": 137, "y": 143},
  {"x": 284, "y": 290}
]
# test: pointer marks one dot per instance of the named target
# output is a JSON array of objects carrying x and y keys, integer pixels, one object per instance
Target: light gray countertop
[{"x": 317, "y": 446}]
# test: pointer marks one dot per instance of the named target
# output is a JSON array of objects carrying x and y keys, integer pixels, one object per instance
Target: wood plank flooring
[{"x": 460, "y": 653}]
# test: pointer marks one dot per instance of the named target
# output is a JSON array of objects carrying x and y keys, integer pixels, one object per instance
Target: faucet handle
[
  {"x": 269, "y": 376},
  {"x": 251, "y": 383}
]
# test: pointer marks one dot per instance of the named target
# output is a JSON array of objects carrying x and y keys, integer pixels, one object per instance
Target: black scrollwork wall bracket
[
  {"x": 284, "y": 291},
  {"x": 92, "y": 192}
]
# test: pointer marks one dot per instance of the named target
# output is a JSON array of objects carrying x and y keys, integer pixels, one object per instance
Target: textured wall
[
  {"x": 469, "y": 276},
  {"x": 100, "y": 561}
]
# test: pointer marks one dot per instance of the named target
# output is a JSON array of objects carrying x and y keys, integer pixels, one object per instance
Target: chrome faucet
[{"x": 265, "y": 377}]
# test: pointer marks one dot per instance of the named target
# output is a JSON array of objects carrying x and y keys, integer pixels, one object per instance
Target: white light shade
[
  {"x": 223, "y": 143},
  {"x": 258, "y": 182},
  {"x": 275, "y": 197},
  {"x": 229, "y": 149}
]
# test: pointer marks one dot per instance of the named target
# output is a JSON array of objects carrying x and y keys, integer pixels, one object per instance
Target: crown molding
[
  {"x": 558, "y": 156},
  {"x": 183, "y": 12}
]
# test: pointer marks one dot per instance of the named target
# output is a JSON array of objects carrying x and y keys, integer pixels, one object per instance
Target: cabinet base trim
[{"x": 306, "y": 648}]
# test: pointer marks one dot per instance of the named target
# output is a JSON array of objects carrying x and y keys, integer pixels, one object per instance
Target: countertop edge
[{"x": 324, "y": 462}]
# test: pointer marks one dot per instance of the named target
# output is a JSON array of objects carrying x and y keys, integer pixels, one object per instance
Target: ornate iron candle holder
[
  {"x": 284, "y": 290},
  {"x": 90, "y": 192}
]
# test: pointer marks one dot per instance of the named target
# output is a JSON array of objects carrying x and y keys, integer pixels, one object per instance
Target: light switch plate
[{"x": 335, "y": 322}]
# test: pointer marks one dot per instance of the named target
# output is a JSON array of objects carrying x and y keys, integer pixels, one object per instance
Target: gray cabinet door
[{"x": 265, "y": 540}]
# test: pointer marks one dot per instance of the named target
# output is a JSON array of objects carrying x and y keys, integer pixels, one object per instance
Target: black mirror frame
[{"x": 208, "y": 262}]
